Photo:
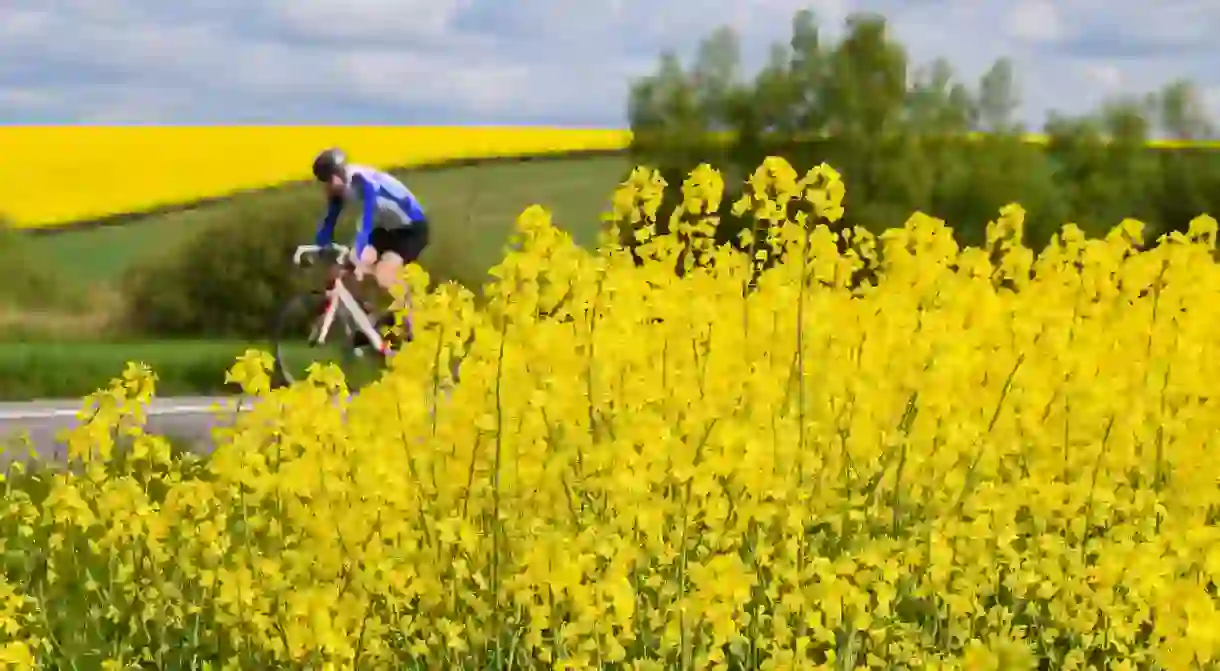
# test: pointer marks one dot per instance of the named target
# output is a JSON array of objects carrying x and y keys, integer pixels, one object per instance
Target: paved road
[{"x": 190, "y": 418}]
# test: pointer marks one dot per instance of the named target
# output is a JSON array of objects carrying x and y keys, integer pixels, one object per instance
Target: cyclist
[{"x": 393, "y": 229}]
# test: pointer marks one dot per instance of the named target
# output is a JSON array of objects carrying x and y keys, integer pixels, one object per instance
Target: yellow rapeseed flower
[{"x": 979, "y": 458}]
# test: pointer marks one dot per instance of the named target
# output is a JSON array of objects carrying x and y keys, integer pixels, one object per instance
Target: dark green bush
[{"x": 228, "y": 281}]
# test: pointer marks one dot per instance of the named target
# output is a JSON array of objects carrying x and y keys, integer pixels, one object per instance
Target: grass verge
[{"x": 34, "y": 370}]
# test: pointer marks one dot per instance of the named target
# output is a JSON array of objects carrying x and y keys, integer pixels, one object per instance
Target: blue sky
[{"x": 554, "y": 62}]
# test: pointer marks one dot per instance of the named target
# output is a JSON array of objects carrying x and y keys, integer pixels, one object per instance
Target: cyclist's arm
[
  {"x": 368, "y": 195},
  {"x": 326, "y": 230}
]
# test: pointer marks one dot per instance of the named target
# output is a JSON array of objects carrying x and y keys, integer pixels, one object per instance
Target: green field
[
  {"x": 472, "y": 208},
  {"x": 64, "y": 352}
]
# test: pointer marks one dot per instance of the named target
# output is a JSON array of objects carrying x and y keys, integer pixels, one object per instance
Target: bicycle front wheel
[{"x": 300, "y": 342}]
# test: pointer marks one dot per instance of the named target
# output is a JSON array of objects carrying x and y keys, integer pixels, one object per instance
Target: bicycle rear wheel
[{"x": 299, "y": 343}]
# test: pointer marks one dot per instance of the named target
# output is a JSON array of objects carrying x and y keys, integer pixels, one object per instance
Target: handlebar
[{"x": 342, "y": 253}]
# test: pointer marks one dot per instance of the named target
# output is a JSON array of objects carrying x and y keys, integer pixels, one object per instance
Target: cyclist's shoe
[
  {"x": 385, "y": 325},
  {"x": 382, "y": 324}
]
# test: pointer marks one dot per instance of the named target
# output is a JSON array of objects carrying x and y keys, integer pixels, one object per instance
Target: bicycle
[{"x": 319, "y": 312}]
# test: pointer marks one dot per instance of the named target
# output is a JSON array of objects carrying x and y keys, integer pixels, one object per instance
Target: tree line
[{"x": 912, "y": 139}]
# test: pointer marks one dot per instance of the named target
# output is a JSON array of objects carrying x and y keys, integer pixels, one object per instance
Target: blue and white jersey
[{"x": 380, "y": 193}]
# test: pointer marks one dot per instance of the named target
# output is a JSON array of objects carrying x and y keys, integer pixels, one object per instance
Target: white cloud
[
  {"x": 541, "y": 61},
  {"x": 1107, "y": 75},
  {"x": 1035, "y": 21},
  {"x": 392, "y": 77},
  {"x": 1211, "y": 100},
  {"x": 390, "y": 20},
  {"x": 24, "y": 23},
  {"x": 27, "y": 98}
]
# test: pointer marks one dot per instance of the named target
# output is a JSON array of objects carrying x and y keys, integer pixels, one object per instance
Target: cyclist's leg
[
  {"x": 386, "y": 271},
  {"x": 380, "y": 240},
  {"x": 413, "y": 246},
  {"x": 404, "y": 245}
]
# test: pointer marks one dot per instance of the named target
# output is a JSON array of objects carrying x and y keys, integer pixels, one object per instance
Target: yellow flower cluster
[
  {"x": 17, "y": 619},
  {"x": 62, "y": 174},
  {"x": 836, "y": 451}
]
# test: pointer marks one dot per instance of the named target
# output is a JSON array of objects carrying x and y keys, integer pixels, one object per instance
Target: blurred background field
[
  {"x": 906, "y": 136},
  {"x": 69, "y": 327},
  {"x": 473, "y": 206},
  {"x": 67, "y": 173}
]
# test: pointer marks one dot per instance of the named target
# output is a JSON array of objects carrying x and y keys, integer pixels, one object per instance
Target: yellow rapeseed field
[
  {"x": 976, "y": 459},
  {"x": 60, "y": 174}
]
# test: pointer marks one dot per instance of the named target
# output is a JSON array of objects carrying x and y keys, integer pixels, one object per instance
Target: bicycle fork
[{"x": 328, "y": 312}]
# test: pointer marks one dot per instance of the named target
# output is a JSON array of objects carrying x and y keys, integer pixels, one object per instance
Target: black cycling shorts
[{"x": 408, "y": 242}]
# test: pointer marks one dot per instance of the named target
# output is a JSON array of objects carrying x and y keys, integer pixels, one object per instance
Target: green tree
[
  {"x": 901, "y": 135},
  {"x": 666, "y": 121},
  {"x": 998, "y": 102},
  {"x": 1190, "y": 181},
  {"x": 1181, "y": 112}
]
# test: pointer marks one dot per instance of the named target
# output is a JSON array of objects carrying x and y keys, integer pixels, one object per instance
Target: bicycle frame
[{"x": 340, "y": 296}]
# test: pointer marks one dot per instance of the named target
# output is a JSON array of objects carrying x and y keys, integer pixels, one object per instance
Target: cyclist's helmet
[{"x": 328, "y": 164}]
